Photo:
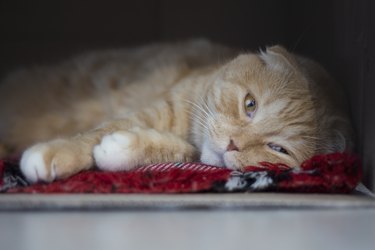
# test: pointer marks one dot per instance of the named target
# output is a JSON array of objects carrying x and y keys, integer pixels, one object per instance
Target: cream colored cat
[{"x": 162, "y": 103}]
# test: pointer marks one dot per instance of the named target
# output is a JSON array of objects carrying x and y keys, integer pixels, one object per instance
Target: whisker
[
  {"x": 204, "y": 102},
  {"x": 199, "y": 108},
  {"x": 199, "y": 115},
  {"x": 196, "y": 115},
  {"x": 201, "y": 120}
]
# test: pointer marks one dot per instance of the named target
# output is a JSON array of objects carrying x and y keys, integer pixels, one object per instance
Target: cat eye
[
  {"x": 277, "y": 148},
  {"x": 250, "y": 105}
]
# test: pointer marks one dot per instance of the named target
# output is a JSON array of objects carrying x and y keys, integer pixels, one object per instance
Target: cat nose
[{"x": 231, "y": 146}]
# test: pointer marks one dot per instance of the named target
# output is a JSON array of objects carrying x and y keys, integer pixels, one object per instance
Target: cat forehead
[
  {"x": 275, "y": 59},
  {"x": 251, "y": 66},
  {"x": 242, "y": 66},
  {"x": 269, "y": 78}
]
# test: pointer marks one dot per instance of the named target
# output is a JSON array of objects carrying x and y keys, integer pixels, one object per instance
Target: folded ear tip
[
  {"x": 277, "y": 49},
  {"x": 278, "y": 57}
]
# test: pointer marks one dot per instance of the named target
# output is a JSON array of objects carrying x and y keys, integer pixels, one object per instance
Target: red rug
[{"x": 332, "y": 173}]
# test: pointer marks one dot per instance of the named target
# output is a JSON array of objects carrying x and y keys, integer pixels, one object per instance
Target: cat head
[{"x": 261, "y": 108}]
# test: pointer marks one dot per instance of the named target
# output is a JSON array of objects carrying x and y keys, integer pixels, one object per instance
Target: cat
[{"x": 188, "y": 101}]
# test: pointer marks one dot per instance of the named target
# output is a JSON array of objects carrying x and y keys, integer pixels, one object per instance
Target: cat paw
[
  {"x": 117, "y": 151},
  {"x": 34, "y": 166},
  {"x": 53, "y": 160}
]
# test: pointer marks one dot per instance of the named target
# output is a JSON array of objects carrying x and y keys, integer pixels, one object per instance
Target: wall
[
  {"x": 41, "y": 31},
  {"x": 354, "y": 57}
]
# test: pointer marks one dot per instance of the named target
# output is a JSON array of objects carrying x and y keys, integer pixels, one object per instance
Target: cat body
[{"x": 183, "y": 102}]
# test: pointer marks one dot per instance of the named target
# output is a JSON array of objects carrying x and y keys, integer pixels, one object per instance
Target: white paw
[
  {"x": 117, "y": 152},
  {"x": 33, "y": 165}
]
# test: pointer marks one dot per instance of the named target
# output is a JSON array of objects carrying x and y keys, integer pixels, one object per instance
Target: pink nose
[{"x": 231, "y": 146}]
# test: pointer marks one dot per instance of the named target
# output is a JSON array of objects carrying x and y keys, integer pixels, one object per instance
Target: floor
[{"x": 270, "y": 228}]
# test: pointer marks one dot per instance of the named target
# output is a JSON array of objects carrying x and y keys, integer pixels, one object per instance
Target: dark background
[
  {"x": 41, "y": 31},
  {"x": 339, "y": 34}
]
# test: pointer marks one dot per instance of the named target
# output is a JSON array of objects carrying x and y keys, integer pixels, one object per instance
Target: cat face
[{"x": 259, "y": 109}]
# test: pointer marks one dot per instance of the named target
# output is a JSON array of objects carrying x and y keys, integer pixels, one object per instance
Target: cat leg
[
  {"x": 64, "y": 157},
  {"x": 127, "y": 149},
  {"x": 121, "y": 150},
  {"x": 56, "y": 159}
]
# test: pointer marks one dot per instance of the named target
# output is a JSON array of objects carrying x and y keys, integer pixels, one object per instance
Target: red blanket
[{"x": 333, "y": 173}]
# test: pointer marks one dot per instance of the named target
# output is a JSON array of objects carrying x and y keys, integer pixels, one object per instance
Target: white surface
[
  {"x": 13, "y": 202},
  {"x": 193, "y": 230}
]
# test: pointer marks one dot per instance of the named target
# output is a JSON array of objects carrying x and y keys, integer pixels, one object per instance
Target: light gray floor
[{"x": 290, "y": 229}]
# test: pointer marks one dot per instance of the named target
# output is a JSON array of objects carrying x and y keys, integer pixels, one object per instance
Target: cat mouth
[
  {"x": 210, "y": 156},
  {"x": 215, "y": 160},
  {"x": 224, "y": 159}
]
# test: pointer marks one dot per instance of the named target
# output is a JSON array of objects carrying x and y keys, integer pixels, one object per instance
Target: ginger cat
[{"x": 184, "y": 102}]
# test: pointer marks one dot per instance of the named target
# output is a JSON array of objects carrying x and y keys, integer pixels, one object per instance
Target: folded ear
[{"x": 278, "y": 58}]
